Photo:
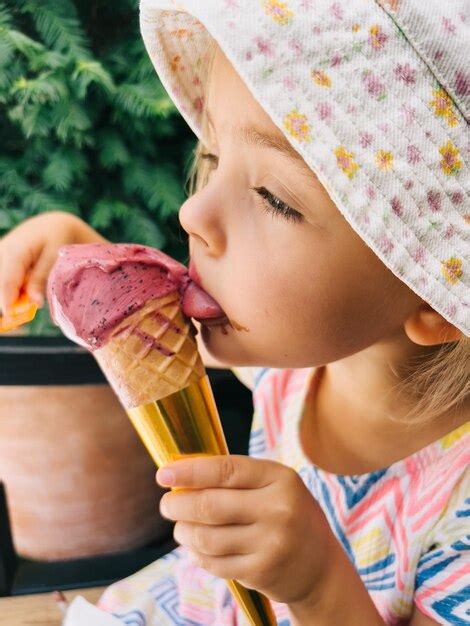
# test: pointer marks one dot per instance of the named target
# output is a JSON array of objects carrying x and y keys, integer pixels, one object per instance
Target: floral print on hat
[{"x": 373, "y": 94}]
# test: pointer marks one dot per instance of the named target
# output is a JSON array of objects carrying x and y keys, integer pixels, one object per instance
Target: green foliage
[{"x": 85, "y": 125}]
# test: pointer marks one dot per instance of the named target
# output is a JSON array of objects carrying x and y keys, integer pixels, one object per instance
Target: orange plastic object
[{"x": 23, "y": 312}]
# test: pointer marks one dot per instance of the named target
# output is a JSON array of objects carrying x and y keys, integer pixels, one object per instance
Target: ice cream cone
[
  {"x": 131, "y": 307},
  {"x": 152, "y": 353},
  {"x": 153, "y": 365}
]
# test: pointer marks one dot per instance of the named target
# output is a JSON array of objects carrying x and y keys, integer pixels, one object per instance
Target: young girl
[{"x": 329, "y": 221}]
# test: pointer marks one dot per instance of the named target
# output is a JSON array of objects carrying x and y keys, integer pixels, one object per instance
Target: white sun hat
[{"x": 375, "y": 96}]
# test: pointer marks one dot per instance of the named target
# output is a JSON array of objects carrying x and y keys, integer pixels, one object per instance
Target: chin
[
  {"x": 227, "y": 346},
  {"x": 233, "y": 350},
  {"x": 221, "y": 343}
]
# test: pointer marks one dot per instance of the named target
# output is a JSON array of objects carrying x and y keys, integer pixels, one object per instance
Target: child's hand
[
  {"x": 30, "y": 250},
  {"x": 250, "y": 520}
]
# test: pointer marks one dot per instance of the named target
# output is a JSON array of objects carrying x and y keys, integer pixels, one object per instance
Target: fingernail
[{"x": 166, "y": 477}]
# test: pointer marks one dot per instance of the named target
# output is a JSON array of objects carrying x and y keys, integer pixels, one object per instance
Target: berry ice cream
[{"x": 93, "y": 287}]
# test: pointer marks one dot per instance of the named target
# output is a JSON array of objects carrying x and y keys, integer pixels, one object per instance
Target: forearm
[{"x": 342, "y": 599}]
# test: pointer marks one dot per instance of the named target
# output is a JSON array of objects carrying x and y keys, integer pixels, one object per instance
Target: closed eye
[{"x": 271, "y": 203}]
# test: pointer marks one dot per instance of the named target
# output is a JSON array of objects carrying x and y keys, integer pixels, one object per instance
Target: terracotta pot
[{"x": 79, "y": 481}]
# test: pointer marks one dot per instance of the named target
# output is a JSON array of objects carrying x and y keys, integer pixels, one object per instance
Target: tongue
[{"x": 200, "y": 305}]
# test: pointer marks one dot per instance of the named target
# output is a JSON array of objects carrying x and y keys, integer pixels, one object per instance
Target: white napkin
[{"x": 82, "y": 613}]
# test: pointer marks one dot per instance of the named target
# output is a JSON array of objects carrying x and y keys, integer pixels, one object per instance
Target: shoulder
[
  {"x": 431, "y": 485},
  {"x": 440, "y": 588},
  {"x": 442, "y": 466},
  {"x": 438, "y": 467},
  {"x": 452, "y": 523}
]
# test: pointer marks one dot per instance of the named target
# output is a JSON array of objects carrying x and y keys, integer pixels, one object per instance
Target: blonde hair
[
  {"x": 437, "y": 383},
  {"x": 440, "y": 381}
]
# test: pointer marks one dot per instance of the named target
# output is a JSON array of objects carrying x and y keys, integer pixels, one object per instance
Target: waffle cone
[{"x": 151, "y": 354}]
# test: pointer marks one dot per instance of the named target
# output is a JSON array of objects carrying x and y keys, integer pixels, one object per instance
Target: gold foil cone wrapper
[{"x": 187, "y": 423}]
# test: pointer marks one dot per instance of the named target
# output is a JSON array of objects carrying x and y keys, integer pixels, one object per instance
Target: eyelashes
[
  {"x": 276, "y": 205},
  {"x": 271, "y": 203}
]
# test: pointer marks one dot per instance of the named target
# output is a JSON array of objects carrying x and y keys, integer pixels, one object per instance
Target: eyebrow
[{"x": 254, "y": 136}]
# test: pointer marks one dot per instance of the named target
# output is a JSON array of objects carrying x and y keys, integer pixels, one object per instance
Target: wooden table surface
[{"x": 40, "y": 609}]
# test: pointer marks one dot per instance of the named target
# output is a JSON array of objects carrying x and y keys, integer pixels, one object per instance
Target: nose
[{"x": 201, "y": 217}]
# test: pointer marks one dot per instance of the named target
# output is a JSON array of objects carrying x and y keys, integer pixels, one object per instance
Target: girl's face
[{"x": 302, "y": 284}]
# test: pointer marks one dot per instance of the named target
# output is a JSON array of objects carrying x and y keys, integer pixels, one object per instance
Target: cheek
[
  {"x": 284, "y": 307},
  {"x": 305, "y": 306},
  {"x": 318, "y": 309},
  {"x": 363, "y": 308}
]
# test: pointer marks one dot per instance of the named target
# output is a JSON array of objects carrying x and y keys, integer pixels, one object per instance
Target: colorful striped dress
[{"x": 406, "y": 527}]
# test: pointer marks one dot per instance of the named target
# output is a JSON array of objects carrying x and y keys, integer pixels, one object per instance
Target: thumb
[
  {"x": 37, "y": 282},
  {"x": 12, "y": 273}
]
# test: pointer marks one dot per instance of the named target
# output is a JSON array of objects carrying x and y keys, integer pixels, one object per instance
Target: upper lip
[{"x": 193, "y": 273}]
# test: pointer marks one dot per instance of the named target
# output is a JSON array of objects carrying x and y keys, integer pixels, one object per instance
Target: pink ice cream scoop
[{"x": 93, "y": 287}]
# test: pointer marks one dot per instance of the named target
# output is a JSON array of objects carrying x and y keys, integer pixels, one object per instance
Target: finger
[
  {"x": 234, "y": 566},
  {"x": 216, "y": 540},
  {"x": 231, "y": 470},
  {"x": 14, "y": 270},
  {"x": 212, "y": 506},
  {"x": 1, "y": 279},
  {"x": 37, "y": 282}
]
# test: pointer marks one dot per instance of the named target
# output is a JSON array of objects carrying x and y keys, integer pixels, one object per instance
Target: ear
[{"x": 427, "y": 327}]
